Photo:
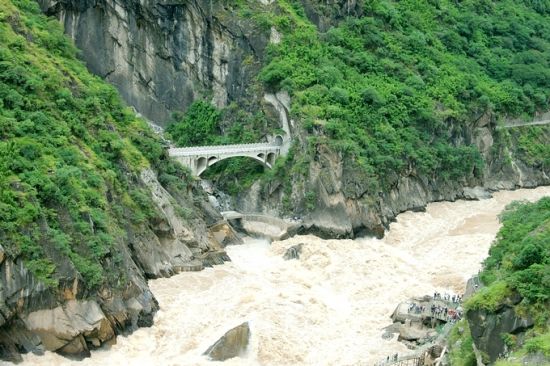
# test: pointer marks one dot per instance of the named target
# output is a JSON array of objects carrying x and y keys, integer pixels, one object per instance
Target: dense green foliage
[
  {"x": 70, "y": 155},
  {"x": 200, "y": 125},
  {"x": 460, "y": 343},
  {"x": 520, "y": 257},
  {"x": 519, "y": 261},
  {"x": 395, "y": 88}
]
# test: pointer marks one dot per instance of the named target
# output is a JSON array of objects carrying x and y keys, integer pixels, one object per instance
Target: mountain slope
[{"x": 84, "y": 220}]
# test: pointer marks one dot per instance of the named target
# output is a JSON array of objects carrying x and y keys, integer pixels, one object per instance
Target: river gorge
[{"x": 326, "y": 308}]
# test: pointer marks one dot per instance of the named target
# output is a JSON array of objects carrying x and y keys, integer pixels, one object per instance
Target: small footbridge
[{"x": 199, "y": 158}]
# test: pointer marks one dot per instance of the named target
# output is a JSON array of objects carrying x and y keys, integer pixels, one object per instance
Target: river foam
[{"x": 326, "y": 308}]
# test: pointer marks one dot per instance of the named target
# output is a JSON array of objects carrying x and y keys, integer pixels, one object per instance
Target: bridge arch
[{"x": 203, "y": 163}]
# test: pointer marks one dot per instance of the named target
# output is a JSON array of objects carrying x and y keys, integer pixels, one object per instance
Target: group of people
[
  {"x": 447, "y": 312},
  {"x": 450, "y": 314},
  {"x": 415, "y": 308},
  {"x": 455, "y": 299}
]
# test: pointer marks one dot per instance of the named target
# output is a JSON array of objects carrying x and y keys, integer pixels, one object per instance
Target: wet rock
[
  {"x": 401, "y": 314},
  {"x": 232, "y": 344},
  {"x": 66, "y": 328},
  {"x": 224, "y": 234},
  {"x": 293, "y": 252},
  {"x": 476, "y": 193},
  {"x": 215, "y": 258},
  {"x": 411, "y": 333}
]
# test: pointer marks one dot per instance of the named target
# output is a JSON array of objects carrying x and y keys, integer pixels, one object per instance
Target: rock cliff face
[
  {"x": 488, "y": 328},
  {"x": 162, "y": 55},
  {"x": 72, "y": 319}
]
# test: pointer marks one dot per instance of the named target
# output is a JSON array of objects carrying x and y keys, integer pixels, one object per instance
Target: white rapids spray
[{"x": 326, "y": 308}]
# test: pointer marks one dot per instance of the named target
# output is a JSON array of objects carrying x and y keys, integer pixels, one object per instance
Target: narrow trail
[{"x": 535, "y": 123}]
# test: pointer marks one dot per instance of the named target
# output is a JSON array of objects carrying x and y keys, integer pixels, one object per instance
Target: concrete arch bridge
[{"x": 199, "y": 158}]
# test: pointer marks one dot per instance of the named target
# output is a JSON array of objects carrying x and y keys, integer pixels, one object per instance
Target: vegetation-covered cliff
[
  {"x": 90, "y": 204},
  {"x": 508, "y": 320},
  {"x": 393, "y": 104}
]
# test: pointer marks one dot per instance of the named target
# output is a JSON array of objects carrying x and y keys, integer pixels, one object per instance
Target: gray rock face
[
  {"x": 231, "y": 344},
  {"x": 345, "y": 205},
  {"x": 412, "y": 333},
  {"x": 162, "y": 55},
  {"x": 487, "y": 329}
]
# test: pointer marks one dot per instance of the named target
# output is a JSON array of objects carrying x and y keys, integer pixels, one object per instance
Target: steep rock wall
[{"x": 162, "y": 55}]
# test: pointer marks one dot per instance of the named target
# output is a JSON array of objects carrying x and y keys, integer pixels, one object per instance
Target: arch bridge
[{"x": 199, "y": 158}]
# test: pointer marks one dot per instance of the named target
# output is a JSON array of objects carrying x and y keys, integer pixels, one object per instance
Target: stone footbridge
[{"x": 199, "y": 158}]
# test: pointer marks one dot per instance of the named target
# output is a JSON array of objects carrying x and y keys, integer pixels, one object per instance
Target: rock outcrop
[
  {"x": 71, "y": 318},
  {"x": 487, "y": 329},
  {"x": 232, "y": 344}
]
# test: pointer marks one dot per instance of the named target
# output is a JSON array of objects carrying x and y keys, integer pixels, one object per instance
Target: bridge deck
[{"x": 222, "y": 149}]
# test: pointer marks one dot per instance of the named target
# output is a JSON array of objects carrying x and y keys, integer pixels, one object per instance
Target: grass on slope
[{"x": 70, "y": 153}]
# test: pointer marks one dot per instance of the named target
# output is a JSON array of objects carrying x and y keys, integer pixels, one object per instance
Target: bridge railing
[
  {"x": 225, "y": 147},
  {"x": 222, "y": 149}
]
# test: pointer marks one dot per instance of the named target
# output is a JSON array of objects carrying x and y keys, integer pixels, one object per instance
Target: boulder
[
  {"x": 401, "y": 314},
  {"x": 409, "y": 333},
  {"x": 66, "y": 328},
  {"x": 231, "y": 344},
  {"x": 476, "y": 193},
  {"x": 293, "y": 252}
]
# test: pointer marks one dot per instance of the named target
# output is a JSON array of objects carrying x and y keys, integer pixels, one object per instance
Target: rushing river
[{"x": 326, "y": 308}]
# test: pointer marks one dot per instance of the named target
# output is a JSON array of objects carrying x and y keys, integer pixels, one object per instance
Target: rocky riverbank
[{"x": 73, "y": 319}]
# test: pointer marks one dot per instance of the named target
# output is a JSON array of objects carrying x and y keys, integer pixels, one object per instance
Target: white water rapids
[{"x": 326, "y": 308}]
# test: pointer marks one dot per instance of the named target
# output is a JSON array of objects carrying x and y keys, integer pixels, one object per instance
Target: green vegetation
[
  {"x": 200, "y": 125},
  {"x": 460, "y": 343},
  {"x": 397, "y": 89},
  {"x": 520, "y": 257},
  {"x": 519, "y": 262},
  {"x": 70, "y": 155},
  {"x": 394, "y": 88},
  {"x": 490, "y": 298}
]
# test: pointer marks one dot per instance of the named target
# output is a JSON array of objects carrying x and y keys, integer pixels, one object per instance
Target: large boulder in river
[
  {"x": 232, "y": 344},
  {"x": 293, "y": 252},
  {"x": 67, "y": 329}
]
